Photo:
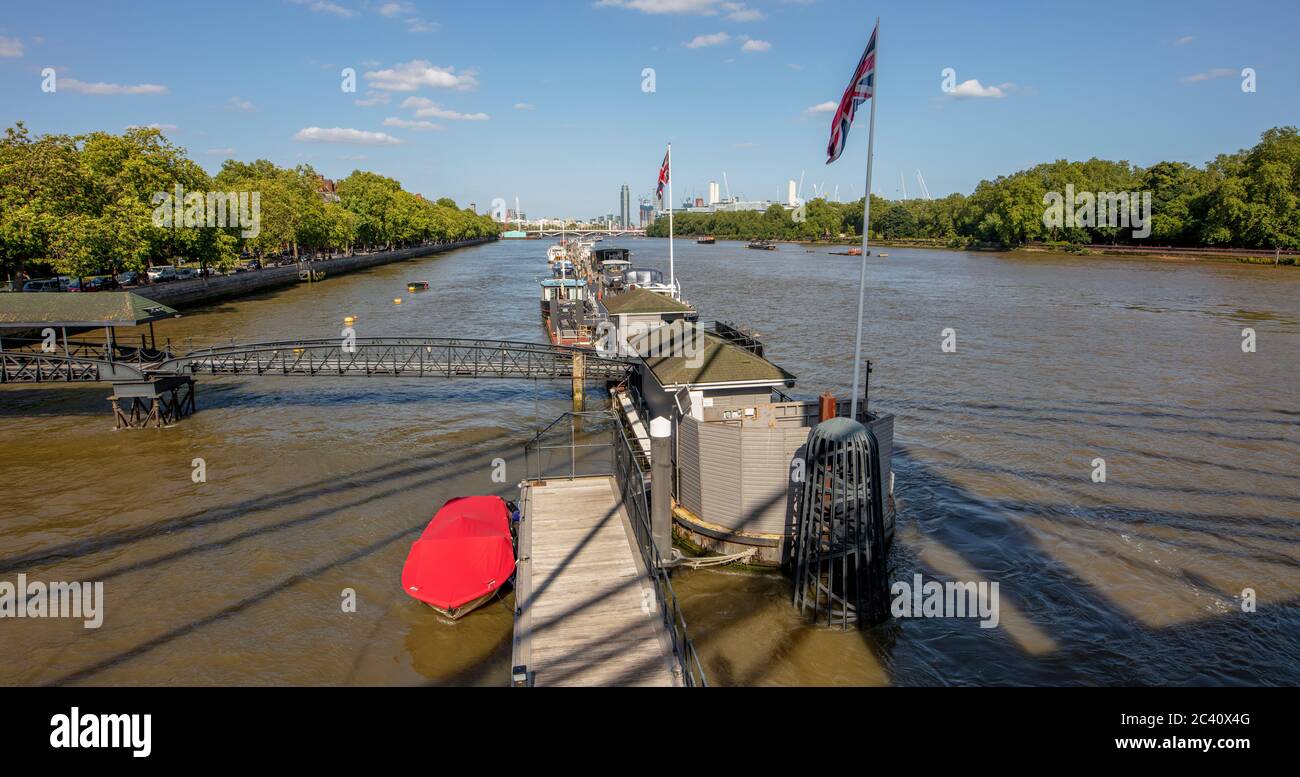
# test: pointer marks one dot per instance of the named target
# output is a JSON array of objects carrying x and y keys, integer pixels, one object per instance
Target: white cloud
[
  {"x": 411, "y": 76},
  {"x": 754, "y": 46},
  {"x": 226, "y": 152},
  {"x": 10, "y": 47},
  {"x": 73, "y": 85},
  {"x": 1186, "y": 39},
  {"x": 420, "y": 25},
  {"x": 702, "y": 7},
  {"x": 438, "y": 112},
  {"x": 345, "y": 135},
  {"x": 973, "y": 88},
  {"x": 241, "y": 105},
  {"x": 739, "y": 12},
  {"x": 524, "y": 106},
  {"x": 421, "y": 126},
  {"x": 324, "y": 6},
  {"x": 827, "y": 107},
  {"x": 354, "y": 157},
  {"x": 701, "y": 41},
  {"x": 374, "y": 98},
  {"x": 733, "y": 11},
  {"x": 428, "y": 108},
  {"x": 1218, "y": 72},
  {"x": 392, "y": 9}
]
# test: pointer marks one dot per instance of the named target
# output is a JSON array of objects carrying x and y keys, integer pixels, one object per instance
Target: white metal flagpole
[
  {"x": 672, "y": 275},
  {"x": 866, "y": 229}
]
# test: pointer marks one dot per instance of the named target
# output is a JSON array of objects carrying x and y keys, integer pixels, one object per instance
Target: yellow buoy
[
  {"x": 397, "y": 301},
  {"x": 350, "y": 320}
]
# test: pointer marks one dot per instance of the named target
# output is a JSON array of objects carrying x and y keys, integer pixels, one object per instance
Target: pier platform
[{"x": 586, "y": 609}]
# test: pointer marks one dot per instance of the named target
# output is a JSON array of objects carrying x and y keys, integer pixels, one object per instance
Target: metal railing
[
  {"x": 632, "y": 475},
  {"x": 399, "y": 356}
]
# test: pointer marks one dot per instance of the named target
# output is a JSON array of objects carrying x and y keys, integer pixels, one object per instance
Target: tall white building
[
  {"x": 713, "y": 193},
  {"x": 792, "y": 197}
]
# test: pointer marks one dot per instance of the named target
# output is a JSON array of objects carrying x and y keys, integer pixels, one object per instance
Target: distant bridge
[
  {"x": 584, "y": 234},
  {"x": 422, "y": 357}
]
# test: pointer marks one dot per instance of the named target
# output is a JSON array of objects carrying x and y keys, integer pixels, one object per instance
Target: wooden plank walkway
[{"x": 586, "y": 609}]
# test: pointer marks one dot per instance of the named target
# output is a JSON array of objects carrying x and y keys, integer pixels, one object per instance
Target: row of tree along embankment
[{"x": 200, "y": 291}]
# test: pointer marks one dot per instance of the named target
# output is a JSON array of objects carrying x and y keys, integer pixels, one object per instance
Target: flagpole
[
  {"x": 866, "y": 229},
  {"x": 672, "y": 276}
]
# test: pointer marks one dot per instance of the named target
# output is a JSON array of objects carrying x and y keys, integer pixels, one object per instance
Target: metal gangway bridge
[{"x": 158, "y": 385}]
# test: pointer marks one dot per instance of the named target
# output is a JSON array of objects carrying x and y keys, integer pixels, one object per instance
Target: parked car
[
  {"x": 186, "y": 273},
  {"x": 101, "y": 283},
  {"x": 129, "y": 278},
  {"x": 44, "y": 284},
  {"x": 162, "y": 274}
]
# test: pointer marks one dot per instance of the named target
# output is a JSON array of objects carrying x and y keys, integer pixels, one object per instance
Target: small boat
[
  {"x": 883, "y": 256},
  {"x": 464, "y": 557},
  {"x": 763, "y": 245},
  {"x": 417, "y": 286},
  {"x": 850, "y": 252},
  {"x": 707, "y": 240},
  {"x": 651, "y": 280}
]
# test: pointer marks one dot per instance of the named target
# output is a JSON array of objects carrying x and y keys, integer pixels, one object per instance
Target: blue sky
[{"x": 544, "y": 100}]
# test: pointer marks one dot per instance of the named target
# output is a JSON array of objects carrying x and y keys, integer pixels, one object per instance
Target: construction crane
[{"x": 925, "y": 192}]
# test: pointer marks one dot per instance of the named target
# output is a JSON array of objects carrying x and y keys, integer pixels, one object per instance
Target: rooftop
[
  {"x": 634, "y": 301},
  {"x": 720, "y": 363},
  {"x": 90, "y": 309}
]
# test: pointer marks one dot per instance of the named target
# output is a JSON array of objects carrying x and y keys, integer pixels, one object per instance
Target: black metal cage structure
[{"x": 839, "y": 545}]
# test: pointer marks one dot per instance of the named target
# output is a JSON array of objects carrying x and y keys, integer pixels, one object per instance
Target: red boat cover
[{"x": 464, "y": 553}]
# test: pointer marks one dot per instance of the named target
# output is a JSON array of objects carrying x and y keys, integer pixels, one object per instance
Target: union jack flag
[
  {"x": 663, "y": 177},
  {"x": 861, "y": 89}
]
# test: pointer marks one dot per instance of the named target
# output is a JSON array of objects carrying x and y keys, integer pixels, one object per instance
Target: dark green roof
[
  {"x": 722, "y": 362},
  {"x": 638, "y": 300},
  {"x": 101, "y": 308}
]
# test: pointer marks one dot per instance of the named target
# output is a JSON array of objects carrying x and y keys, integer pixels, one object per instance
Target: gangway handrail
[{"x": 631, "y": 477}]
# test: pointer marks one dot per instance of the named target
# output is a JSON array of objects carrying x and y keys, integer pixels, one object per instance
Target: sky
[{"x": 547, "y": 101}]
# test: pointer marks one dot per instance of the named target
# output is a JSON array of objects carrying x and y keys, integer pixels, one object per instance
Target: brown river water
[{"x": 319, "y": 485}]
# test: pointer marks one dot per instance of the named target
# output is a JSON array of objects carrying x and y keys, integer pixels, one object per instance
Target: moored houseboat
[{"x": 565, "y": 311}]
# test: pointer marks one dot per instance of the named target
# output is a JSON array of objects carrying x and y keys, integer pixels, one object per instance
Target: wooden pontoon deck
[{"x": 586, "y": 609}]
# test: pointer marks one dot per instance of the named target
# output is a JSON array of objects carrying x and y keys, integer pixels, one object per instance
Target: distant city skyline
[{"x": 451, "y": 102}]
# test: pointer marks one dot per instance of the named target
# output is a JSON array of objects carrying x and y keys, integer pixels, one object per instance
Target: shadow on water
[{"x": 1083, "y": 634}]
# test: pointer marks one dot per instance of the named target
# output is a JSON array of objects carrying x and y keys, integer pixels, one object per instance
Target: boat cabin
[
  {"x": 737, "y": 437},
  {"x": 601, "y": 255},
  {"x": 614, "y": 272},
  {"x": 570, "y": 289}
]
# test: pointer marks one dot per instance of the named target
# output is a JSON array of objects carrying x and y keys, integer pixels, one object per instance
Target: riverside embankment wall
[{"x": 182, "y": 294}]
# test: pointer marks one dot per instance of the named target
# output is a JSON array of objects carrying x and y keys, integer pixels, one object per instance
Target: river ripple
[{"x": 319, "y": 485}]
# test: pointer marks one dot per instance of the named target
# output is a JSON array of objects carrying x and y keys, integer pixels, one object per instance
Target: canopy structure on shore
[{"x": 85, "y": 310}]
